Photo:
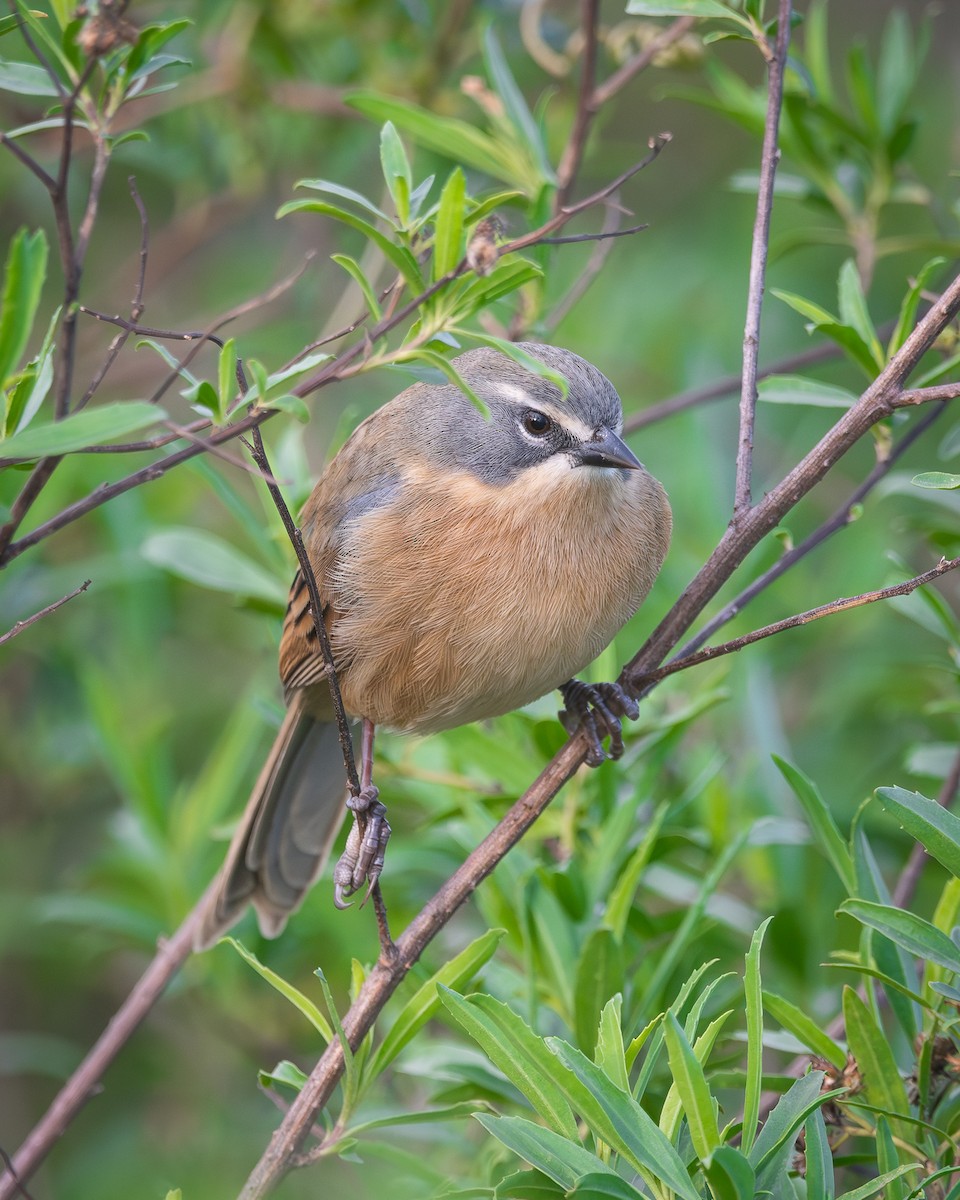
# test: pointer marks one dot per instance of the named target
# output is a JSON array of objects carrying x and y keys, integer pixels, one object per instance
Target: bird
[{"x": 476, "y": 543}]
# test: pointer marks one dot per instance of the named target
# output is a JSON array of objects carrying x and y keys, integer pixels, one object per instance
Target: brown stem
[
  {"x": 20, "y": 626},
  {"x": 770, "y": 156},
  {"x": 573, "y": 151}
]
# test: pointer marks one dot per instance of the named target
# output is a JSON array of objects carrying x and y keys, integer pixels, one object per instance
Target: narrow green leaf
[
  {"x": 287, "y": 990},
  {"x": 211, "y": 562},
  {"x": 754, "y": 1011},
  {"x": 508, "y": 276},
  {"x": 562, "y": 1159},
  {"x": 690, "y": 1091},
  {"x": 910, "y": 303},
  {"x": 805, "y": 1029},
  {"x": 25, "y": 271},
  {"x": 24, "y": 79},
  {"x": 351, "y": 1075},
  {"x": 400, "y": 256},
  {"x": 355, "y": 271},
  {"x": 526, "y": 1185},
  {"x": 888, "y": 1160},
  {"x": 913, "y": 933},
  {"x": 429, "y": 1116},
  {"x": 227, "y": 376},
  {"x": 791, "y": 1110},
  {"x": 27, "y": 395},
  {"x": 424, "y": 1003},
  {"x": 617, "y": 1119},
  {"x": 513, "y": 1047},
  {"x": 873, "y": 1186},
  {"x": 448, "y": 136},
  {"x": 605, "y": 1186},
  {"x": 883, "y": 1085},
  {"x": 820, "y": 1173},
  {"x": 821, "y": 822},
  {"x": 287, "y": 402},
  {"x": 925, "y": 820},
  {"x": 854, "y": 311},
  {"x": 797, "y": 389},
  {"x": 940, "y": 481},
  {"x": 678, "y": 8},
  {"x": 91, "y": 427},
  {"x": 730, "y": 1175},
  {"x": 436, "y": 361},
  {"x": 599, "y": 973},
  {"x": 335, "y": 189},
  {"x": 396, "y": 170},
  {"x": 448, "y": 229},
  {"x": 286, "y": 1073},
  {"x": 515, "y": 106},
  {"x": 610, "y": 1055}
]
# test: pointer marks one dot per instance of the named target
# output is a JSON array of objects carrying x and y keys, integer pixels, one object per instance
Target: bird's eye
[{"x": 536, "y": 422}]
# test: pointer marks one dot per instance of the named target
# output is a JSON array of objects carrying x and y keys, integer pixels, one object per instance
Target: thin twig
[
  {"x": 602, "y": 236},
  {"x": 8, "y": 1163},
  {"x": 29, "y": 162},
  {"x": 317, "y": 609},
  {"x": 793, "y": 622},
  {"x": 632, "y": 67},
  {"x": 770, "y": 156},
  {"x": 20, "y": 626},
  {"x": 572, "y": 154}
]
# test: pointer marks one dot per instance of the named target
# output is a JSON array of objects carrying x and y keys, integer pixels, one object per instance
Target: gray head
[{"x": 529, "y": 422}]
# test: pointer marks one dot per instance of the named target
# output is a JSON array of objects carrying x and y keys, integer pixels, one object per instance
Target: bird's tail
[{"x": 286, "y": 831}]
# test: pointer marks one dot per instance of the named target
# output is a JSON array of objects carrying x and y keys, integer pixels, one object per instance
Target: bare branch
[
  {"x": 576, "y": 143},
  {"x": 29, "y": 162},
  {"x": 770, "y": 156},
  {"x": 804, "y": 618},
  {"x": 20, "y": 626},
  {"x": 622, "y": 76}
]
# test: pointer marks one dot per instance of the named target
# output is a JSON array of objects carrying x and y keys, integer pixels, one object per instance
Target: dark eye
[{"x": 536, "y": 422}]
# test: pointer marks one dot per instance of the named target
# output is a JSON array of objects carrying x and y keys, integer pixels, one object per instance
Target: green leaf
[
  {"x": 396, "y": 170},
  {"x": 906, "y": 929},
  {"x": 805, "y": 1029},
  {"x": 287, "y": 402},
  {"x": 227, "y": 376},
  {"x": 797, "y": 389},
  {"x": 9, "y": 24},
  {"x": 820, "y": 1173},
  {"x": 345, "y": 193},
  {"x": 691, "y": 1083},
  {"x": 528, "y": 361},
  {"x": 925, "y": 820},
  {"x": 286, "y": 1073},
  {"x": 671, "y": 1112},
  {"x": 526, "y": 1185},
  {"x": 424, "y": 1003},
  {"x": 910, "y": 303},
  {"x": 448, "y": 229},
  {"x": 209, "y": 561},
  {"x": 678, "y": 8},
  {"x": 513, "y": 1047},
  {"x": 562, "y": 1159},
  {"x": 730, "y": 1175},
  {"x": 610, "y": 1055},
  {"x": 25, "y": 271},
  {"x": 91, "y": 427},
  {"x": 32, "y": 384},
  {"x": 400, "y": 256},
  {"x": 878, "y": 1184},
  {"x": 514, "y": 104},
  {"x": 24, "y": 79},
  {"x": 821, "y": 822},
  {"x": 437, "y": 362},
  {"x": 617, "y": 1119},
  {"x": 448, "y": 136},
  {"x": 351, "y": 1074},
  {"x": 287, "y": 990},
  {"x": 509, "y": 275},
  {"x": 791, "y": 1110},
  {"x": 605, "y": 1186},
  {"x": 854, "y": 312},
  {"x": 599, "y": 973},
  {"x": 355, "y": 271},
  {"x": 754, "y": 1012},
  {"x": 940, "y": 481},
  {"x": 882, "y": 1083},
  {"x": 888, "y": 1160}
]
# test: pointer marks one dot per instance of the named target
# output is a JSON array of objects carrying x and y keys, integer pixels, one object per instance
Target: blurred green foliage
[{"x": 133, "y": 721}]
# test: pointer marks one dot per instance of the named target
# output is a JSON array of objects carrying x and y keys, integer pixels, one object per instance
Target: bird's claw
[
  {"x": 597, "y": 709},
  {"x": 363, "y": 855}
]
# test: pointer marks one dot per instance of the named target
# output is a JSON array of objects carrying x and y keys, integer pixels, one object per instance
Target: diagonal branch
[
  {"x": 770, "y": 156},
  {"x": 20, "y": 626}
]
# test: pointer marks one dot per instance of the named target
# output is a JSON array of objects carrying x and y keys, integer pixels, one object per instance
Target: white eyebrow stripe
[
  {"x": 512, "y": 392},
  {"x": 515, "y": 394}
]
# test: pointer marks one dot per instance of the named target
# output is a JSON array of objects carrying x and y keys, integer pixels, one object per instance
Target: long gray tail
[{"x": 286, "y": 832}]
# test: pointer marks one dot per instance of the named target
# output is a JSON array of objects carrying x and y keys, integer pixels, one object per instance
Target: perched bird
[{"x": 468, "y": 562}]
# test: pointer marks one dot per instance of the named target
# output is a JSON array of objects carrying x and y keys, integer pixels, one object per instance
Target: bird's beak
[{"x": 606, "y": 450}]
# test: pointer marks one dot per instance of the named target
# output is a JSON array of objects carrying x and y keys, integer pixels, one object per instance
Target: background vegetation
[{"x": 133, "y": 720}]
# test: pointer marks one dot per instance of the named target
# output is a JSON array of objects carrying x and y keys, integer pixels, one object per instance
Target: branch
[
  {"x": 804, "y": 618},
  {"x": 20, "y": 626},
  {"x": 622, "y": 76},
  {"x": 573, "y": 151},
  {"x": 758, "y": 263}
]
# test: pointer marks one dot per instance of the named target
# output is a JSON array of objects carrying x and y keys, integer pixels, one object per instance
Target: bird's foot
[
  {"x": 362, "y": 858},
  {"x": 597, "y": 709}
]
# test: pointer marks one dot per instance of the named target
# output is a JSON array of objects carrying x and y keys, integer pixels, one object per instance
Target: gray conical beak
[{"x": 605, "y": 449}]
